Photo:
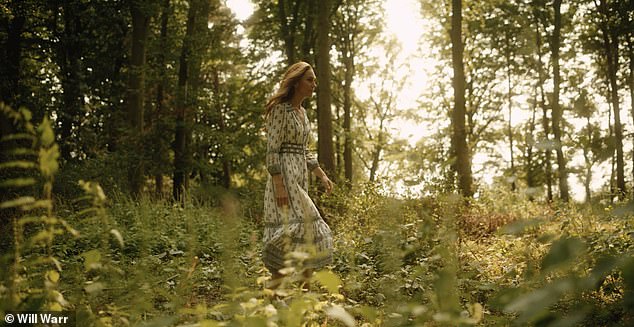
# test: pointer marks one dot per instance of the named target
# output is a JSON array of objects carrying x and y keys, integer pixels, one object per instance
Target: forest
[{"x": 484, "y": 173}]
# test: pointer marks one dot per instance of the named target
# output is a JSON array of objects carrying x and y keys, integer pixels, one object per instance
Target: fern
[{"x": 29, "y": 164}]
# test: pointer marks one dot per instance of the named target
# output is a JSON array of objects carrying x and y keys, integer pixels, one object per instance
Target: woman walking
[{"x": 292, "y": 222}]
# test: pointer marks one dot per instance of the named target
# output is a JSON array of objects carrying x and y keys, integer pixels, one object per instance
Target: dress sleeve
[
  {"x": 274, "y": 136},
  {"x": 311, "y": 159}
]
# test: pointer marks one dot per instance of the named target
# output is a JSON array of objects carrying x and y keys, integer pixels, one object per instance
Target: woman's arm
[
  {"x": 325, "y": 181},
  {"x": 274, "y": 138}
]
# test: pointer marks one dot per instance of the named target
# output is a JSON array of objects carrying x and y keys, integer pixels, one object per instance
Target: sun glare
[{"x": 241, "y": 8}]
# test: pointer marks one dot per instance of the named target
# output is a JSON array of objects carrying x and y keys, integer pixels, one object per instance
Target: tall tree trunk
[
  {"x": 347, "y": 112},
  {"x": 630, "y": 47},
  {"x": 611, "y": 135},
  {"x": 12, "y": 56},
  {"x": 289, "y": 29},
  {"x": 459, "y": 139},
  {"x": 308, "y": 43},
  {"x": 188, "y": 84},
  {"x": 136, "y": 92},
  {"x": 530, "y": 138},
  {"x": 510, "y": 102},
  {"x": 10, "y": 69},
  {"x": 160, "y": 91},
  {"x": 557, "y": 112},
  {"x": 69, "y": 54},
  {"x": 542, "y": 103},
  {"x": 182, "y": 131},
  {"x": 226, "y": 164},
  {"x": 589, "y": 162},
  {"x": 325, "y": 145},
  {"x": 338, "y": 140},
  {"x": 611, "y": 48}
]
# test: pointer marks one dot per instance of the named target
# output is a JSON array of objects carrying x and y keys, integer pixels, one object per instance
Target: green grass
[{"x": 435, "y": 261}]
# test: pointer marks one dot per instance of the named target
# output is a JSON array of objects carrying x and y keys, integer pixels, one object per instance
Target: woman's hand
[
  {"x": 327, "y": 183},
  {"x": 279, "y": 190}
]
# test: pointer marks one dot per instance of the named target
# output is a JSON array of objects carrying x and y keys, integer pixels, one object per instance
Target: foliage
[
  {"x": 31, "y": 281},
  {"x": 399, "y": 261}
]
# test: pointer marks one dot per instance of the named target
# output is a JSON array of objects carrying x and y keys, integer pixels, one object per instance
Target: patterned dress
[{"x": 299, "y": 227}]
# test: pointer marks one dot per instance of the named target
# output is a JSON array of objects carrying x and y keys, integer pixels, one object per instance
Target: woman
[{"x": 292, "y": 222}]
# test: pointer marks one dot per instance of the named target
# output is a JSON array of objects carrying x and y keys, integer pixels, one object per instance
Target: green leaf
[
  {"x": 48, "y": 160},
  {"x": 44, "y": 204},
  {"x": 118, "y": 236},
  {"x": 47, "y": 136},
  {"x": 22, "y": 152},
  {"x": 22, "y": 164},
  {"x": 18, "y": 182},
  {"x": 53, "y": 276},
  {"x": 17, "y": 202},
  {"x": 18, "y": 136},
  {"x": 329, "y": 280},
  {"x": 94, "y": 288},
  {"x": 562, "y": 252},
  {"x": 44, "y": 237},
  {"x": 92, "y": 259}
]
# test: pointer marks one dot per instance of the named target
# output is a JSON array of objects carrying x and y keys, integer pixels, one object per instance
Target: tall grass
[{"x": 434, "y": 261}]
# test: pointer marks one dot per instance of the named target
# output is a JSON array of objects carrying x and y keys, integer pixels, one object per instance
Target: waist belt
[{"x": 296, "y": 148}]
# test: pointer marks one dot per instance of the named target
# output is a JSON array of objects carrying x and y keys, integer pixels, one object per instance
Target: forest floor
[{"x": 501, "y": 260}]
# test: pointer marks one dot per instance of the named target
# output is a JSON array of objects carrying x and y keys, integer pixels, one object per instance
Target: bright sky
[
  {"x": 404, "y": 22},
  {"x": 401, "y": 17}
]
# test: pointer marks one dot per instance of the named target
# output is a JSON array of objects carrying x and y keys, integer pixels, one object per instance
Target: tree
[
  {"x": 459, "y": 139},
  {"x": 595, "y": 147},
  {"x": 69, "y": 53},
  {"x": 557, "y": 111},
  {"x": 538, "y": 16},
  {"x": 136, "y": 91},
  {"x": 610, "y": 36},
  {"x": 325, "y": 150},
  {"x": 188, "y": 84},
  {"x": 352, "y": 36},
  {"x": 380, "y": 108}
]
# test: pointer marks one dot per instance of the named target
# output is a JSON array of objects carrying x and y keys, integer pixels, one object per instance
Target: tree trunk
[
  {"x": 182, "y": 130},
  {"x": 12, "y": 57},
  {"x": 589, "y": 162},
  {"x": 69, "y": 54},
  {"x": 530, "y": 137},
  {"x": 510, "y": 102},
  {"x": 289, "y": 29},
  {"x": 347, "y": 114},
  {"x": 226, "y": 164},
  {"x": 611, "y": 48},
  {"x": 160, "y": 91},
  {"x": 630, "y": 47},
  {"x": 136, "y": 93},
  {"x": 188, "y": 84},
  {"x": 556, "y": 108},
  {"x": 308, "y": 43},
  {"x": 325, "y": 144},
  {"x": 542, "y": 103},
  {"x": 459, "y": 139}
]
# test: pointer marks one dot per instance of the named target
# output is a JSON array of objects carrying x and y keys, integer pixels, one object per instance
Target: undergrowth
[{"x": 435, "y": 261}]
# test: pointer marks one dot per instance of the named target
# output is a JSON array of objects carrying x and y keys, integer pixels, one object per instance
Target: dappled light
[{"x": 317, "y": 163}]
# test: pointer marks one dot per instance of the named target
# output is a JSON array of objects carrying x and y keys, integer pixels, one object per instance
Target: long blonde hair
[{"x": 287, "y": 85}]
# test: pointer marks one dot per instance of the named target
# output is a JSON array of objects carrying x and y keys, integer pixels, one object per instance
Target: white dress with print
[{"x": 298, "y": 228}]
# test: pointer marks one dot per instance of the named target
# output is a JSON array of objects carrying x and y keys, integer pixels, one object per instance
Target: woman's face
[{"x": 306, "y": 84}]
